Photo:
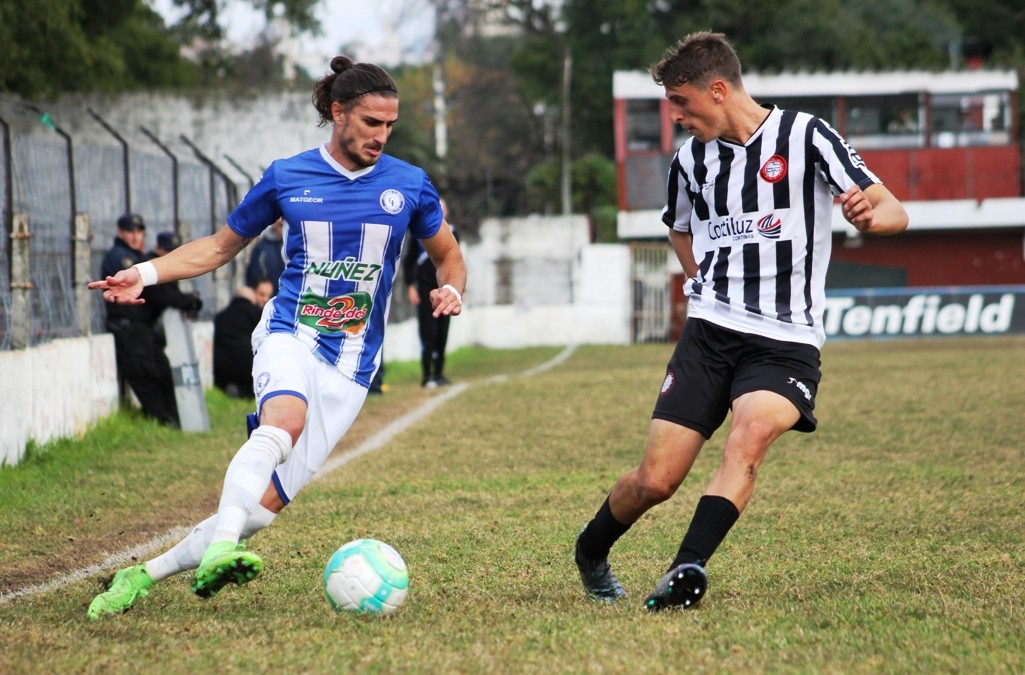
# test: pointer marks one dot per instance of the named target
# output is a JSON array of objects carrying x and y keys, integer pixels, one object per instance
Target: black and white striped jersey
[{"x": 760, "y": 218}]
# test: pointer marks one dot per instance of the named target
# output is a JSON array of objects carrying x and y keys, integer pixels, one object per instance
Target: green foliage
[
  {"x": 494, "y": 135},
  {"x": 412, "y": 137},
  {"x": 52, "y": 47},
  {"x": 203, "y": 18},
  {"x": 604, "y": 225},
  {"x": 594, "y": 182},
  {"x": 542, "y": 187}
]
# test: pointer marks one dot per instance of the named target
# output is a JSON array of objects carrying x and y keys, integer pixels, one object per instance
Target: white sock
[
  {"x": 186, "y": 554},
  {"x": 247, "y": 478}
]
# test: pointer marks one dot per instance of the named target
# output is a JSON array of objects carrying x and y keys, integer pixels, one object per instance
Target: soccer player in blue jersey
[
  {"x": 318, "y": 344},
  {"x": 749, "y": 216}
]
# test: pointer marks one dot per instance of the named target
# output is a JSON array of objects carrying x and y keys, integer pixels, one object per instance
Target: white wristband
[
  {"x": 147, "y": 272},
  {"x": 459, "y": 296}
]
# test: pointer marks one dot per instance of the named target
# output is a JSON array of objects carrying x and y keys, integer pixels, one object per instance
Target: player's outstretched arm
[
  {"x": 447, "y": 299},
  {"x": 874, "y": 210},
  {"x": 185, "y": 262}
]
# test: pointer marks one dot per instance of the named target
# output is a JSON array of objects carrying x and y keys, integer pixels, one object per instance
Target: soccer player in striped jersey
[
  {"x": 750, "y": 196},
  {"x": 318, "y": 344}
]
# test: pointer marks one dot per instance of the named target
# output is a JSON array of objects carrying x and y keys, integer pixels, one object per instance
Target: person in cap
[
  {"x": 169, "y": 295},
  {"x": 167, "y": 242},
  {"x": 137, "y": 346},
  {"x": 129, "y": 245}
]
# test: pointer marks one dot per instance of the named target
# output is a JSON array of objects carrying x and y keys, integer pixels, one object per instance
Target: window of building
[
  {"x": 976, "y": 119},
  {"x": 821, "y": 106},
  {"x": 643, "y": 125},
  {"x": 880, "y": 122}
]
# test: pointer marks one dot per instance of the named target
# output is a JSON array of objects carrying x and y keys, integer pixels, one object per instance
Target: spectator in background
[
  {"x": 268, "y": 259},
  {"x": 141, "y": 363},
  {"x": 138, "y": 340},
  {"x": 903, "y": 123},
  {"x": 233, "y": 339},
  {"x": 422, "y": 278},
  {"x": 169, "y": 295}
]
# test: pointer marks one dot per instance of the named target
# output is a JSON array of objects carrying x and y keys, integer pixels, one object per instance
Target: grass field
[{"x": 891, "y": 540}]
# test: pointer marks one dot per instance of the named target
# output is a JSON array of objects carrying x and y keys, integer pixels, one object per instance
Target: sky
[{"x": 380, "y": 31}]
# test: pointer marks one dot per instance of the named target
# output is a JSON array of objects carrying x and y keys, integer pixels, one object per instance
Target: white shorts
[{"x": 282, "y": 365}]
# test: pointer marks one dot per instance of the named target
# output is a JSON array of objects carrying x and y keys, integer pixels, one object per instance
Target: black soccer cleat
[
  {"x": 599, "y": 581},
  {"x": 683, "y": 586}
]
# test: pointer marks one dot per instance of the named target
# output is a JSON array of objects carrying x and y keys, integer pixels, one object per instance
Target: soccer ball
[{"x": 366, "y": 575}]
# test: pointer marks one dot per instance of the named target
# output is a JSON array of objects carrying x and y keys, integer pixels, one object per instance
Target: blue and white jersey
[{"x": 343, "y": 242}]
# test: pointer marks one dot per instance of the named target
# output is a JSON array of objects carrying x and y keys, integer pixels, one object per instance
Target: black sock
[
  {"x": 595, "y": 542},
  {"x": 713, "y": 518}
]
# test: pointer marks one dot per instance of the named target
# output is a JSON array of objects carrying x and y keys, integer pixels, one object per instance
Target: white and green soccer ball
[{"x": 366, "y": 575}]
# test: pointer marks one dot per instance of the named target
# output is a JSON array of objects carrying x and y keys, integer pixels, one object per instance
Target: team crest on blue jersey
[
  {"x": 774, "y": 169},
  {"x": 769, "y": 226},
  {"x": 392, "y": 201}
]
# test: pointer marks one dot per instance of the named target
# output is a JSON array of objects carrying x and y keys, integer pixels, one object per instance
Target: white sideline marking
[
  {"x": 394, "y": 428},
  {"x": 375, "y": 442},
  {"x": 118, "y": 560}
]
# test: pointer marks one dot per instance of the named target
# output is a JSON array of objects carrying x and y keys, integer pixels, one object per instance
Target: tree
[
  {"x": 202, "y": 18},
  {"x": 51, "y": 47},
  {"x": 106, "y": 45}
]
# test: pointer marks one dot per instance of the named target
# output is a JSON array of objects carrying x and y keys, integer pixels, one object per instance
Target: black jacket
[{"x": 121, "y": 257}]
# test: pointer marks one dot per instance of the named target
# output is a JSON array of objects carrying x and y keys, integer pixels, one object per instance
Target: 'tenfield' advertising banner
[{"x": 924, "y": 312}]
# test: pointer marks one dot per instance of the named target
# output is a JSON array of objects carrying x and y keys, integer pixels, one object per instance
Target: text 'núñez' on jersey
[
  {"x": 342, "y": 245},
  {"x": 760, "y": 218}
]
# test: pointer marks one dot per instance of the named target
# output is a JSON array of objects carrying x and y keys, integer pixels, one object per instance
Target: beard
[{"x": 359, "y": 160}]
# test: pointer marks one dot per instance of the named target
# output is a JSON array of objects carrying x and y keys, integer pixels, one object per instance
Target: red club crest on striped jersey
[{"x": 774, "y": 169}]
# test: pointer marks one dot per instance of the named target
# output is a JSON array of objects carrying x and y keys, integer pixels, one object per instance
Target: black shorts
[{"x": 712, "y": 366}]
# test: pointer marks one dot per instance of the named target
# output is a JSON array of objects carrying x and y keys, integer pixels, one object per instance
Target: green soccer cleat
[
  {"x": 222, "y": 564},
  {"x": 123, "y": 590}
]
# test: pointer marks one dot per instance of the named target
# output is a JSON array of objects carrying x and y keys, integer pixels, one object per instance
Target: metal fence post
[
  {"x": 174, "y": 179},
  {"x": 184, "y": 229},
  {"x": 21, "y": 281},
  {"x": 221, "y": 275},
  {"x": 82, "y": 251},
  {"x": 125, "y": 165}
]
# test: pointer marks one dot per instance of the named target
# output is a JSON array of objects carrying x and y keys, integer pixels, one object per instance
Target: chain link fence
[{"x": 60, "y": 202}]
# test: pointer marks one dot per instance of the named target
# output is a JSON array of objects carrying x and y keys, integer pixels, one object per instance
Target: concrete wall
[
  {"x": 253, "y": 128},
  {"x": 534, "y": 281},
  {"x": 59, "y": 389},
  {"x": 55, "y": 391}
]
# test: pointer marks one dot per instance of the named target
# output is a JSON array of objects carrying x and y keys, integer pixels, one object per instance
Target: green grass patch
[{"x": 891, "y": 540}]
